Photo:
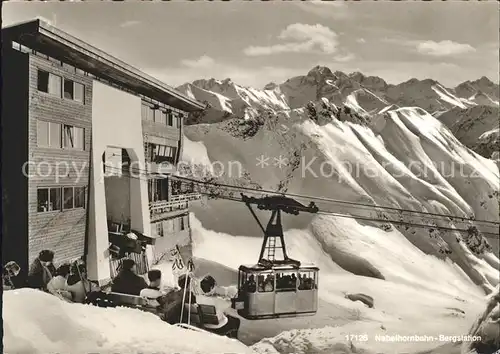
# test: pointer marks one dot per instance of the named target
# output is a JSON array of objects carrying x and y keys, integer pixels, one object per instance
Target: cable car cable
[
  {"x": 342, "y": 215},
  {"x": 299, "y": 196}
]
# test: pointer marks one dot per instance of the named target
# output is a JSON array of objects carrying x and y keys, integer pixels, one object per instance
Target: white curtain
[
  {"x": 55, "y": 85},
  {"x": 79, "y": 92}
]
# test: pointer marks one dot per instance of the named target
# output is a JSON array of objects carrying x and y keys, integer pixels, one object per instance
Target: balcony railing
[{"x": 177, "y": 202}]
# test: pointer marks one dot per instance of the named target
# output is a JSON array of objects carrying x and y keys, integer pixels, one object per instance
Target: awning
[{"x": 147, "y": 239}]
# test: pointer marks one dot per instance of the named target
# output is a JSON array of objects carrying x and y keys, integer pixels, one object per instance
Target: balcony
[{"x": 176, "y": 205}]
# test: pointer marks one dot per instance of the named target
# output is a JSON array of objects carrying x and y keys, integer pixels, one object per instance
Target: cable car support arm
[{"x": 274, "y": 229}]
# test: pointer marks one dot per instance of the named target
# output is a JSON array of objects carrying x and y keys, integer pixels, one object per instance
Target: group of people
[
  {"x": 265, "y": 283},
  {"x": 69, "y": 282},
  {"x": 170, "y": 303}
]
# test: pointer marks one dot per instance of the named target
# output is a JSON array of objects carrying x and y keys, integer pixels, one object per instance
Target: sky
[{"x": 255, "y": 43}]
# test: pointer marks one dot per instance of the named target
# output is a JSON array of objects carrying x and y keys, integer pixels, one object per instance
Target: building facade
[{"x": 88, "y": 145}]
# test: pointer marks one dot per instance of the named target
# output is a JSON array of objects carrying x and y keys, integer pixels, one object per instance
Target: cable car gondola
[{"x": 275, "y": 288}]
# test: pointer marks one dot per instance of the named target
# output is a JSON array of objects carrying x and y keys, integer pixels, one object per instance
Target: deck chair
[
  {"x": 209, "y": 314},
  {"x": 196, "y": 316}
]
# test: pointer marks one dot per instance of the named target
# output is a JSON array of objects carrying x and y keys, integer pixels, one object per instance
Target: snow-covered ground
[
  {"x": 38, "y": 323},
  {"x": 422, "y": 282}
]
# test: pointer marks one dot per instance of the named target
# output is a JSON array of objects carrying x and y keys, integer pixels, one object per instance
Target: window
[
  {"x": 48, "y": 134},
  {"x": 162, "y": 153},
  {"x": 307, "y": 280},
  {"x": 74, "y": 137},
  {"x": 248, "y": 282},
  {"x": 169, "y": 151},
  {"x": 68, "y": 89},
  {"x": 43, "y": 81},
  {"x": 74, "y": 90},
  {"x": 170, "y": 119},
  {"x": 49, "y": 83},
  {"x": 43, "y": 199},
  {"x": 286, "y": 281},
  {"x": 151, "y": 114},
  {"x": 161, "y": 189},
  {"x": 168, "y": 227},
  {"x": 147, "y": 112},
  {"x": 79, "y": 197},
  {"x": 160, "y": 117},
  {"x": 182, "y": 224},
  {"x": 57, "y": 198},
  {"x": 179, "y": 121},
  {"x": 49, "y": 199},
  {"x": 144, "y": 111},
  {"x": 159, "y": 228},
  {"x": 265, "y": 283},
  {"x": 68, "y": 198}
]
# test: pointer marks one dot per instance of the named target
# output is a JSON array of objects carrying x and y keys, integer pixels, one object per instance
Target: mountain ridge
[{"x": 367, "y": 96}]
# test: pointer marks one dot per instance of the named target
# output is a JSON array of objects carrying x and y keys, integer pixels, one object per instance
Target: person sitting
[
  {"x": 308, "y": 283},
  {"x": 127, "y": 281},
  {"x": 58, "y": 285},
  {"x": 78, "y": 284},
  {"x": 172, "y": 303},
  {"x": 227, "y": 325},
  {"x": 10, "y": 272},
  {"x": 250, "y": 284},
  {"x": 260, "y": 281},
  {"x": 279, "y": 281},
  {"x": 269, "y": 284},
  {"x": 153, "y": 292},
  {"x": 41, "y": 270},
  {"x": 302, "y": 279}
]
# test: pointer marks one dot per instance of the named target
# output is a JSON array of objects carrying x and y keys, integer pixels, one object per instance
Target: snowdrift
[
  {"x": 486, "y": 327},
  {"x": 36, "y": 322}
]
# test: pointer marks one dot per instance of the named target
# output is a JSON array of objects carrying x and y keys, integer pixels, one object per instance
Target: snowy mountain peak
[
  {"x": 320, "y": 72},
  {"x": 340, "y": 75},
  {"x": 484, "y": 81},
  {"x": 370, "y": 82}
]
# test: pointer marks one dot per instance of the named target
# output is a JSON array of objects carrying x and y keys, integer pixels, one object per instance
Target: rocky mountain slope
[
  {"x": 475, "y": 127},
  {"x": 481, "y": 91},
  {"x": 367, "y": 94}
]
